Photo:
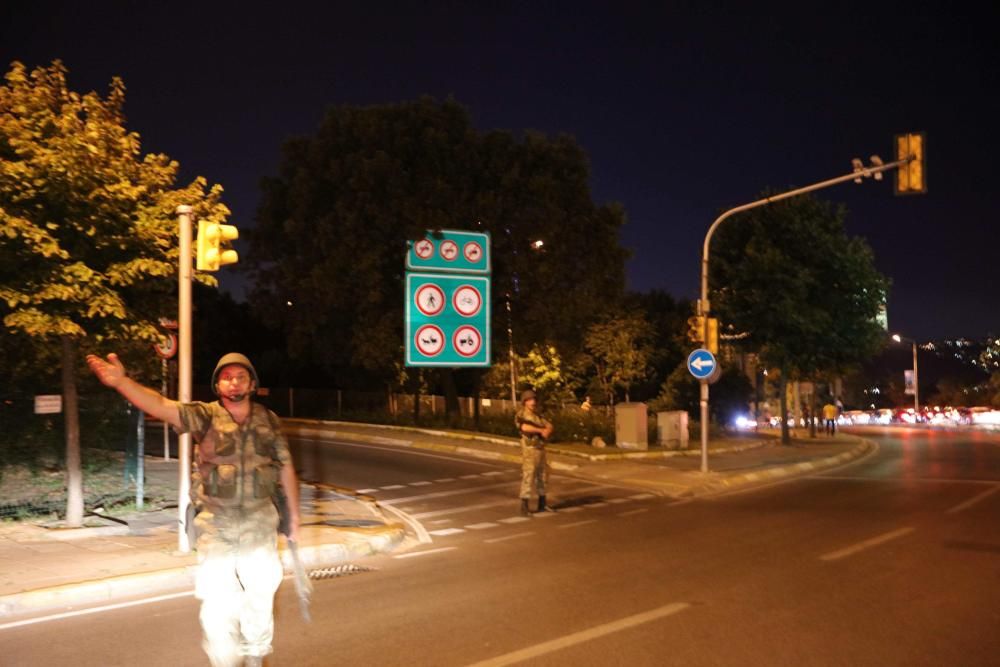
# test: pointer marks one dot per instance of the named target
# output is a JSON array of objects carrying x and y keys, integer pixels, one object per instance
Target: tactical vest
[{"x": 237, "y": 465}]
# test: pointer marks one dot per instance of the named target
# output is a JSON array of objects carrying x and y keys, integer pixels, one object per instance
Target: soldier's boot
[
  {"x": 525, "y": 510},
  {"x": 541, "y": 505}
]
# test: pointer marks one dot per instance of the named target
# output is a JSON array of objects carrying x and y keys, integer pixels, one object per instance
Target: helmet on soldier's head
[
  {"x": 229, "y": 360},
  {"x": 528, "y": 394}
]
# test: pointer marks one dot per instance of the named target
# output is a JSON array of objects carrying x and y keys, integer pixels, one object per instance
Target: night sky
[{"x": 684, "y": 109}]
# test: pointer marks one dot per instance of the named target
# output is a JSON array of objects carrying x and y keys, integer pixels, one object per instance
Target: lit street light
[{"x": 916, "y": 386}]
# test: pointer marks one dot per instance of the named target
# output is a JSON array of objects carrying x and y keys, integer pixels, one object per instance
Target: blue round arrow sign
[{"x": 701, "y": 364}]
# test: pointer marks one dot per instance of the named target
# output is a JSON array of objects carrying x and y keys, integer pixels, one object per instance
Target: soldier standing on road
[
  {"x": 241, "y": 457},
  {"x": 534, "y": 432}
]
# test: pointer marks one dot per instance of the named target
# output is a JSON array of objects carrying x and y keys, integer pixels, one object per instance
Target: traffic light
[
  {"x": 211, "y": 255},
  {"x": 911, "y": 178},
  {"x": 712, "y": 335},
  {"x": 696, "y": 328}
]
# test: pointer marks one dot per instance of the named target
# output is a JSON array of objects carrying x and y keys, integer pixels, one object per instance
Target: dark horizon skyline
[{"x": 684, "y": 110}]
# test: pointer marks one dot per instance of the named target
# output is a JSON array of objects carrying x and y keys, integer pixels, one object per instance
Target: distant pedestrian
[
  {"x": 241, "y": 458},
  {"x": 534, "y": 431},
  {"x": 830, "y": 418},
  {"x": 586, "y": 405}
]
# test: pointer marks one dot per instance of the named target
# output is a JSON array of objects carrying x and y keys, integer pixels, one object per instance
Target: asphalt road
[{"x": 894, "y": 560}]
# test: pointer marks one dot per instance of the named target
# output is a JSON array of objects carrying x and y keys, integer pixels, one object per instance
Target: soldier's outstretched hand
[{"x": 110, "y": 372}]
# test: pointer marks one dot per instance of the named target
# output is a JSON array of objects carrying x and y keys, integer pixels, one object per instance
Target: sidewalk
[{"x": 49, "y": 567}]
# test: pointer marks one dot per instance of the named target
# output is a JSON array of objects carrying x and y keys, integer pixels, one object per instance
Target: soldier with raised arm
[{"x": 240, "y": 459}]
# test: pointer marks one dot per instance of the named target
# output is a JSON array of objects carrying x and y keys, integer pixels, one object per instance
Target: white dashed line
[
  {"x": 565, "y": 641},
  {"x": 567, "y": 510},
  {"x": 515, "y": 519},
  {"x": 392, "y": 487},
  {"x": 861, "y": 546},
  {"x": 642, "y": 496},
  {"x": 491, "y": 474},
  {"x": 482, "y": 526},
  {"x": 469, "y": 476},
  {"x": 424, "y": 553},
  {"x": 597, "y": 504},
  {"x": 515, "y": 536},
  {"x": 631, "y": 512},
  {"x": 444, "y": 532},
  {"x": 367, "y": 491},
  {"x": 420, "y": 483},
  {"x": 578, "y": 523},
  {"x": 975, "y": 499},
  {"x": 444, "y": 479},
  {"x": 617, "y": 501}
]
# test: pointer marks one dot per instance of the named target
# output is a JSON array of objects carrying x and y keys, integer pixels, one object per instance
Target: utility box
[
  {"x": 672, "y": 429},
  {"x": 631, "y": 426}
]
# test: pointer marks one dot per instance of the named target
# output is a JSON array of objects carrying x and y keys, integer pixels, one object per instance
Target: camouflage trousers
[
  {"x": 534, "y": 470},
  {"x": 236, "y": 590}
]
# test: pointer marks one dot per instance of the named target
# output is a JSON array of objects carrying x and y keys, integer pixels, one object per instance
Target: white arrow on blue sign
[{"x": 701, "y": 364}]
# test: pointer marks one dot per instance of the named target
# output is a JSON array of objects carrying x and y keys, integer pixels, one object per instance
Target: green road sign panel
[
  {"x": 447, "y": 320},
  {"x": 455, "y": 251}
]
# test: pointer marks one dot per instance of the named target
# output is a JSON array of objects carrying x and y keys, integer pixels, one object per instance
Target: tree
[
  {"x": 88, "y": 250},
  {"x": 806, "y": 293},
  {"x": 620, "y": 351},
  {"x": 327, "y": 255}
]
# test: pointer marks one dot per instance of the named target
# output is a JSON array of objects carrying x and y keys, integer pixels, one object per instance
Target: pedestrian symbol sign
[
  {"x": 450, "y": 251},
  {"x": 429, "y": 299},
  {"x": 703, "y": 365},
  {"x": 447, "y": 320}
]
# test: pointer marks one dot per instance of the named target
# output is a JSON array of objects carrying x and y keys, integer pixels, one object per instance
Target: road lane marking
[
  {"x": 515, "y": 519},
  {"x": 642, "y": 496},
  {"x": 403, "y": 449},
  {"x": 422, "y": 535},
  {"x": 582, "y": 636},
  {"x": 367, "y": 491},
  {"x": 975, "y": 499},
  {"x": 475, "y": 489},
  {"x": 392, "y": 487},
  {"x": 444, "y": 532},
  {"x": 567, "y": 510},
  {"x": 861, "y": 546},
  {"x": 444, "y": 479},
  {"x": 631, "y": 512},
  {"x": 469, "y": 476},
  {"x": 482, "y": 526},
  {"x": 617, "y": 501},
  {"x": 460, "y": 510},
  {"x": 420, "y": 483},
  {"x": 415, "y": 554},
  {"x": 515, "y": 536},
  {"x": 445, "y": 494},
  {"x": 578, "y": 523},
  {"x": 94, "y": 610}
]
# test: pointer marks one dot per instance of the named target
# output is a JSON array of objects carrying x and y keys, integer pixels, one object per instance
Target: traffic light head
[
  {"x": 696, "y": 329},
  {"x": 211, "y": 255},
  {"x": 911, "y": 178}
]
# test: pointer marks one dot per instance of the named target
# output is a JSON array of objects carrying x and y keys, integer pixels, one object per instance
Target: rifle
[{"x": 303, "y": 587}]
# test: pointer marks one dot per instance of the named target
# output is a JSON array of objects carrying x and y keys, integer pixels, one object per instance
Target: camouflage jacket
[
  {"x": 525, "y": 416},
  {"x": 237, "y": 469}
]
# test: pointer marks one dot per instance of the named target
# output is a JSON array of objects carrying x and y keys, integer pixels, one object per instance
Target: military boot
[
  {"x": 525, "y": 510},
  {"x": 541, "y": 505}
]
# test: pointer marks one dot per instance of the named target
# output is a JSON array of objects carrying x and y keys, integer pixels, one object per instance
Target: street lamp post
[{"x": 916, "y": 377}]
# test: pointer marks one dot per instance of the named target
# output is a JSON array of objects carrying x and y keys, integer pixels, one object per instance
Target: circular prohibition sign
[
  {"x": 429, "y": 340},
  {"x": 467, "y": 301},
  {"x": 449, "y": 250},
  {"x": 473, "y": 251},
  {"x": 467, "y": 341},
  {"x": 429, "y": 299}
]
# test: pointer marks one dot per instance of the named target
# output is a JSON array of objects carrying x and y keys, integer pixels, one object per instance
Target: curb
[
  {"x": 357, "y": 545},
  {"x": 864, "y": 448}
]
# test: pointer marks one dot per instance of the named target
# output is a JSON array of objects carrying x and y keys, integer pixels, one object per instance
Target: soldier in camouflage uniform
[
  {"x": 534, "y": 431},
  {"x": 241, "y": 457}
]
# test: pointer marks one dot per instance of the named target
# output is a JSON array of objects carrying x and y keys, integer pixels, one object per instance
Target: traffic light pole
[
  {"x": 184, "y": 375},
  {"x": 703, "y": 305}
]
